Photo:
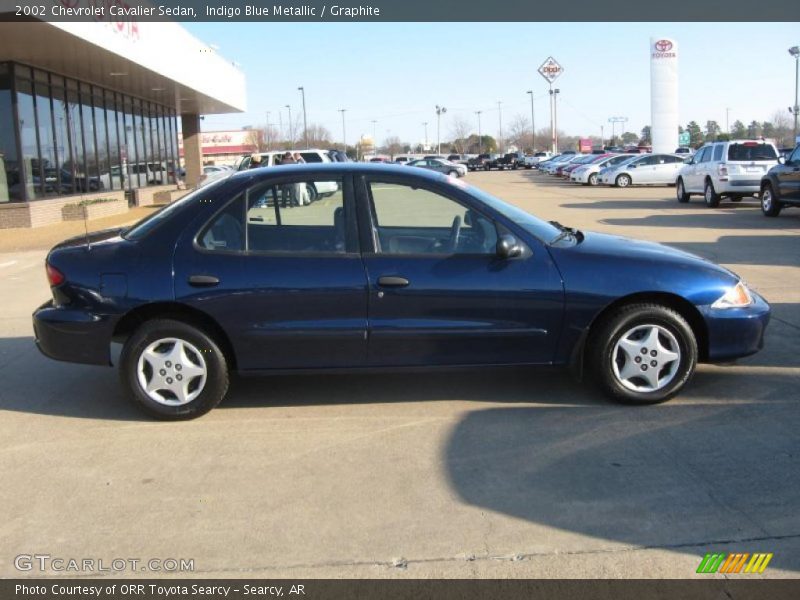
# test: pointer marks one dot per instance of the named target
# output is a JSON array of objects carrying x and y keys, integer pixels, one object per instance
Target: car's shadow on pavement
[
  {"x": 727, "y": 219},
  {"x": 672, "y": 476}
]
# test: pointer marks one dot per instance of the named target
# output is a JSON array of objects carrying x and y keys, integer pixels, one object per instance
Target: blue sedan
[{"x": 397, "y": 269}]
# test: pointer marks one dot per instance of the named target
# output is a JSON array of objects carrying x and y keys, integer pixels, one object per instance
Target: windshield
[
  {"x": 535, "y": 226},
  {"x": 748, "y": 152},
  {"x": 151, "y": 221}
]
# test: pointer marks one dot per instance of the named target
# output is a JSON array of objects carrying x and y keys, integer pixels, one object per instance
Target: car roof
[{"x": 342, "y": 167}]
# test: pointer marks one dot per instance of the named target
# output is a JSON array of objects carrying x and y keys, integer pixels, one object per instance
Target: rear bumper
[
  {"x": 736, "y": 332},
  {"x": 740, "y": 184},
  {"x": 72, "y": 335}
]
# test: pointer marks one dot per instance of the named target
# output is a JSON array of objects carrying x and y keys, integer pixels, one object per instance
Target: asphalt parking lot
[{"x": 486, "y": 474}]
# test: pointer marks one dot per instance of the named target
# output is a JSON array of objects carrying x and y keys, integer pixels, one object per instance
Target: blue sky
[{"x": 396, "y": 73}]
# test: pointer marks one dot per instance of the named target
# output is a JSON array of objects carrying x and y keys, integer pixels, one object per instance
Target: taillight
[
  {"x": 54, "y": 276},
  {"x": 722, "y": 170}
]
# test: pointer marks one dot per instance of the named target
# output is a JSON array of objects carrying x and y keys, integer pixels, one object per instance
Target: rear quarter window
[{"x": 753, "y": 152}]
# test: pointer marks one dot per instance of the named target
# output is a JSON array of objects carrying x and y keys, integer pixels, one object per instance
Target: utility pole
[
  {"x": 305, "y": 123},
  {"x": 480, "y": 138},
  {"x": 269, "y": 144},
  {"x": 500, "y": 122},
  {"x": 344, "y": 131},
  {"x": 795, "y": 51},
  {"x": 291, "y": 128},
  {"x": 552, "y": 123},
  {"x": 728, "y": 120},
  {"x": 425, "y": 123},
  {"x": 602, "y": 139},
  {"x": 374, "y": 138},
  {"x": 439, "y": 111},
  {"x": 533, "y": 125}
]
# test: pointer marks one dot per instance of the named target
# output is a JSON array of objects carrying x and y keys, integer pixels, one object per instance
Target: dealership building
[{"x": 92, "y": 111}]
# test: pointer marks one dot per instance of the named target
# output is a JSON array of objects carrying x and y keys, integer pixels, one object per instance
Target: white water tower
[{"x": 664, "y": 94}]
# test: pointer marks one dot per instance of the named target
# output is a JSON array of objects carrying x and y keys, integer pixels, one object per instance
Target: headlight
[{"x": 735, "y": 297}]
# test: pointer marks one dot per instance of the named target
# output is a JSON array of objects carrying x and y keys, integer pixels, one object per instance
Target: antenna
[{"x": 86, "y": 228}]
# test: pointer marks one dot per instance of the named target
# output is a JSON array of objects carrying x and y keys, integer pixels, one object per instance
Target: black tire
[
  {"x": 593, "y": 179},
  {"x": 487, "y": 168},
  {"x": 623, "y": 180},
  {"x": 770, "y": 205},
  {"x": 680, "y": 192},
  {"x": 605, "y": 335},
  {"x": 217, "y": 378},
  {"x": 313, "y": 195},
  {"x": 710, "y": 195},
  {"x": 453, "y": 173}
]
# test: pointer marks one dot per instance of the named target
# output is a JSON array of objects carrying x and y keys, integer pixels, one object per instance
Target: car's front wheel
[
  {"x": 623, "y": 180},
  {"x": 770, "y": 206},
  {"x": 593, "y": 179},
  {"x": 173, "y": 370},
  {"x": 643, "y": 353},
  {"x": 680, "y": 192}
]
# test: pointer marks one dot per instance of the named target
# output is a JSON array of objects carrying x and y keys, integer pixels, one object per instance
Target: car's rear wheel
[
  {"x": 643, "y": 353},
  {"x": 486, "y": 167},
  {"x": 173, "y": 370},
  {"x": 680, "y": 192},
  {"x": 770, "y": 205},
  {"x": 453, "y": 173},
  {"x": 313, "y": 195},
  {"x": 593, "y": 179},
  {"x": 623, "y": 180},
  {"x": 711, "y": 197}
]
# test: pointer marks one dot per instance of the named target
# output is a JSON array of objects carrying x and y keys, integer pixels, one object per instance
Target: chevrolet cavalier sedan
[{"x": 398, "y": 269}]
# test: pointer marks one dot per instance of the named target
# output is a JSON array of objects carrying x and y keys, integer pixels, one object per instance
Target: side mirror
[
  {"x": 782, "y": 160},
  {"x": 508, "y": 246}
]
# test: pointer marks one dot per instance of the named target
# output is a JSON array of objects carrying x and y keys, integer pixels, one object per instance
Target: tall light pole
[
  {"x": 533, "y": 125},
  {"x": 344, "y": 131},
  {"x": 553, "y": 142},
  {"x": 439, "y": 111},
  {"x": 555, "y": 93},
  {"x": 425, "y": 124},
  {"x": 795, "y": 51},
  {"x": 374, "y": 138},
  {"x": 291, "y": 128},
  {"x": 728, "y": 121},
  {"x": 500, "y": 123},
  {"x": 269, "y": 144},
  {"x": 480, "y": 138},
  {"x": 305, "y": 123}
]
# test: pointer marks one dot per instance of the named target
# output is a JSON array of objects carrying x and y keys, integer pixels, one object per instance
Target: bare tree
[
  {"x": 519, "y": 132},
  {"x": 782, "y": 127},
  {"x": 460, "y": 131},
  {"x": 393, "y": 146},
  {"x": 256, "y": 139}
]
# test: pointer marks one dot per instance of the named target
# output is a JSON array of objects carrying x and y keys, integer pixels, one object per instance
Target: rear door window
[
  {"x": 311, "y": 157},
  {"x": 751, "y": 152},
  {"x": 718, "y": 152}
]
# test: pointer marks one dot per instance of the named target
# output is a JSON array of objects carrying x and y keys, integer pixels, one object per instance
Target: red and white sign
[
  {"x": 235, "y": 141},
  {"x": 550, "y": 69}
]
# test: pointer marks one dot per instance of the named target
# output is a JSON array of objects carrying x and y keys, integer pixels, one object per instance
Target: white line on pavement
[{"x": 8, "y": 264}]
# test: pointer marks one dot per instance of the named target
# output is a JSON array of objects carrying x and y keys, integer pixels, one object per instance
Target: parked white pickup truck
[{"x": 532, "y": 160}]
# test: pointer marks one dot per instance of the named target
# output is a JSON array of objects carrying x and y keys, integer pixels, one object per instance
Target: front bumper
[
  {"x": 72, "y": 335},
  {"x": 736, "y": 332}
]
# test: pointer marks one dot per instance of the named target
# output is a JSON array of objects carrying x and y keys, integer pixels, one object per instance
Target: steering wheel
[{"x": 455, "y": 233}]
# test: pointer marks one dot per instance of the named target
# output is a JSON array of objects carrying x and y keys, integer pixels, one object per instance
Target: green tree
[
  {"x": 629, "y": 138},
  {"x": 754, "y": 129},
  {"x": 646, "y": 137},
  {"x": 768, "y": 130},
  {"x": 712, "y": 131},
  {"x": 696, "y": 137},
  {"x": 738, "y": 130}
]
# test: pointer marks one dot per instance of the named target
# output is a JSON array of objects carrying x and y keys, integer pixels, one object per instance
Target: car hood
[{"x": 622, "y": 250}]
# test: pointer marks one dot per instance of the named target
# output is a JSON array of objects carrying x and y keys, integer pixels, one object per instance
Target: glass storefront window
[
  {"x": 48, "y": 166},
  {"x": 65, "y": 137},
  {"x": 26, "y": 117},
  {"x": 10, "y": 188}
]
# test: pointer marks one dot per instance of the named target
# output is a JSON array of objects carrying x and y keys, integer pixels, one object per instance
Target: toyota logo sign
[
  {"x": 664, "y": 49},
  {"x": 663, "y": 46}
]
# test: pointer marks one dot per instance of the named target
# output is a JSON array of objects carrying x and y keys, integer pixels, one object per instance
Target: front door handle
[
  {"x": 392, "y": 281},
  {"x": 203, "y": 280}
]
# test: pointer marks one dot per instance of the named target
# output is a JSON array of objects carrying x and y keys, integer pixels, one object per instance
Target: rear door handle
[
  {"x": 392, "y": 281},
  {"x": 203, "y": 280}
]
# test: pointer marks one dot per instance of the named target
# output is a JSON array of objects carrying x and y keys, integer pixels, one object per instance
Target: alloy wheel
[
  {"x": 172, "y": 371},
  {"x": 646, "y": 358}
]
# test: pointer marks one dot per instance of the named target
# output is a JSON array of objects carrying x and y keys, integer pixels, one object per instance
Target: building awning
[{"x": 160, "y": 62}]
